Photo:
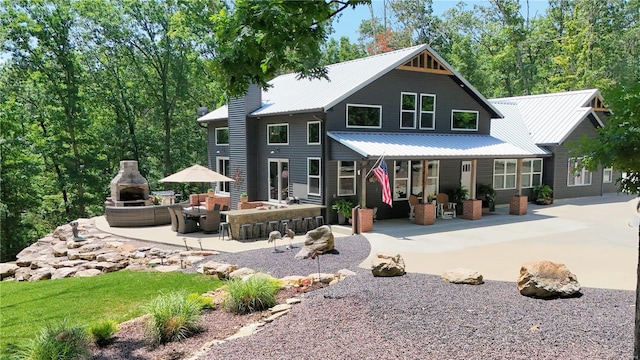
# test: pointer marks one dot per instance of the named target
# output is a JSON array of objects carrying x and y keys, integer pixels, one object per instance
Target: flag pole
[{"x": 374, "y": 165}]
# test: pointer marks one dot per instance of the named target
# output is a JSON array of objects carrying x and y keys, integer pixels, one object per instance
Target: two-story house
[{"x": 317, "y": 139}]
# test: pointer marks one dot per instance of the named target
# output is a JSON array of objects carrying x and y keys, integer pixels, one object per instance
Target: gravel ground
[{"x": 420, "y": 316}]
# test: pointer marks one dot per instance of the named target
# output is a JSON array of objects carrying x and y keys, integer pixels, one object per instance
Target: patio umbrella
[{"x": 196, "y": 174}]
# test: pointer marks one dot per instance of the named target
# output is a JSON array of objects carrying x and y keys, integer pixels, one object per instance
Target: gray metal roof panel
[
  {"x": 422, "y": 145},
  {"x": 513, "y": 130}
]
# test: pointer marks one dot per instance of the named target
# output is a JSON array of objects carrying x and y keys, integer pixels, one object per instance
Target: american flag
[{"x": 383, "y": 178}]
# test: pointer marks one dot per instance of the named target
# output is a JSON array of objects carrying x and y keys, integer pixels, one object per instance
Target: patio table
[{"x": 236, "y": 218}]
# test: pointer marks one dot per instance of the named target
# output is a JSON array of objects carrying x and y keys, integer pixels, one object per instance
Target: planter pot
[
  {"x": 544, "y": 201},
  {"x": 341, "y": 219},
  {"x": 472, "y": 209},
  {"x": 365, "y": 220},
  {"x": 425, "y": 214},
  {"x": 244, "y": 199}
]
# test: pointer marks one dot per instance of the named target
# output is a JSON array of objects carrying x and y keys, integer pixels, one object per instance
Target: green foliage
[
  {"x": 27, "y": 306},
  {"x": 486, "y": 191},
  {"x": 204, "y": 301},
  {"x": 343, "y": 206},
  {"x": 173, "y": 317},
  {"x": 458, "y": 194},
  {"x": 542, "y": 193},
  {"x": 102, "y": 331},
  {"x": 255, "y": 294},
  {"x": 58, "y": 341}
]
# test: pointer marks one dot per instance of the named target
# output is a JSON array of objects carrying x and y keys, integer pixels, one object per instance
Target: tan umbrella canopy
[{"x": 196, "y": 174}]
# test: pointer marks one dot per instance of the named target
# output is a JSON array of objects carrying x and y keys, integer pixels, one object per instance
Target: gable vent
[
  {"x": 425, "y": 62},
  {"x": 598, "y": 105}
]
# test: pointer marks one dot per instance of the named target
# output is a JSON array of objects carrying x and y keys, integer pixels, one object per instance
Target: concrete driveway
[{"x": 591, "y": 236}]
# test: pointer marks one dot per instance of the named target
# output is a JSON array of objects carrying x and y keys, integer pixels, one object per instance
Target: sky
[{"x": 348, "y": 23}]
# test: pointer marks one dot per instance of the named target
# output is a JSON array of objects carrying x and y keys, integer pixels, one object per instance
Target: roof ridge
[
  {"x": 409, "y": 49},
  {"x": 560, "y": 93}
]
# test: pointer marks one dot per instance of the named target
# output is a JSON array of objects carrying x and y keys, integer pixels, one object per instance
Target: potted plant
[
  {"x": 487, "y": 194},
  {"x": 542, "y": 194},
  {"x": 458, "y": 195},
  {"x": 243, "y": 197},
  {"x": 343, "y": 208},
  {"x": 211, "y": 192}
]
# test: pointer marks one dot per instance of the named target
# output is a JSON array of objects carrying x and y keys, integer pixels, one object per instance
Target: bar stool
[
  {"x": 284, "y": 224},
  {"x": 272, "y": 226},
  {"x": 308, "y": 224},
  {"x": 258, "y": 230},
  {"x": 297, "y": 225},
  {"x": 245, "y": 231},
  {"x": 319, "y": 221},
  {"x": 224, "y": 227}
]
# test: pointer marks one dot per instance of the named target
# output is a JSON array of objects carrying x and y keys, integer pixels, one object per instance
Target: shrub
[
  {"x": 203, "y": 301},
  {"x": 254, "y": 294},
  {"x": 173, "y": 317},
  {"x": 102, "y": 331},
  {"x": 59, "y": 341}
]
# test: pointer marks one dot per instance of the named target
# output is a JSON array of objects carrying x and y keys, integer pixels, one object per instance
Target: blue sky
[{"x": 348, "y": 23}]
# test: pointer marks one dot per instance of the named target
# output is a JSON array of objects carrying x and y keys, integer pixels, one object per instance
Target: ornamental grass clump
[
  {"x": 172, "y": 317},
  {"x": 102, "y": 332},
  {"x": 58, "y": 341},
  {"x": 255, "y": 294}
]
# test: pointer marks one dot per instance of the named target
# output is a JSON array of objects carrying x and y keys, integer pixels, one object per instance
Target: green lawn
[{"x": 25, "y": 307}]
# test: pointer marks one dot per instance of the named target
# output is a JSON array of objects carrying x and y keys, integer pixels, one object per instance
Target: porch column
[
  {"x": 472, "y": 191},
  {"x": 363, "y": 182},
  {"x": 519, "y": 177}
]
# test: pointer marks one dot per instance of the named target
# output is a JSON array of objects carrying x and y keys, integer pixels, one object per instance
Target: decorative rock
[
  {"x": 276, "y": 315},
  {"x": 293, "y": 279},
  {"x": 320, "y": 239},
  {"x": 41, "y": 274},
  {"x": 111, "y": 257},
  {"x": 113, "y": 244},
  {"x": 346, "y": 272},
  {"x": 462, "y": 276},
  {"x": 64, "y": 272},
  {"x": 546, "y": 279},
  {"x": 323, "y": 278},
  {"x": 127, "y": 248},
  {"x": 388, "y": 265},
  {"x": 167, "y": 268},
  {"x": 294, "y": 300},
  {"x": 240, "y": 273},
  {"x": 280, "y": 307},
  {"x": 88, "y": 273},
  {"x": 60, "y": 249},
  {"x": 70, "y": 263},
  {"x": 7, "y": 270}
]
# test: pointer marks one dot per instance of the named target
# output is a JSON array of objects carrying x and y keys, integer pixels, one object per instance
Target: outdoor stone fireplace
[{"x": 128, "y": 188}]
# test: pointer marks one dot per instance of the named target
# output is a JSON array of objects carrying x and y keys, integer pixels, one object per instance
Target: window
[
  {"x": 531, "y": 172},
  {"x": 577, "y": 175},
  {"x": 427, "y": 111},
  {"x": 313, "y": 133},
  {"x": 222, "y": 136},
  {"x": 364, "y": 116},
  {"x": 408, "y": 105},
  {"x": 313, "y": 176},
  {"x": 607, "y": 175},
  {"x": 401, "y": 180},
  {"x": 278, "y": 134},
  {"x": 222, "y": 166},
  {"x": 346, "y": 178},
  {"x": 433, "y": 173},
  {"x": 464, "y": 120},
  {"x": 504, "y": 174}
]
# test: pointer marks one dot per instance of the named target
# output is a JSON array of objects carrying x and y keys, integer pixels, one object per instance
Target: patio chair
[
  {"x": 413, "y": 201},
  {"x": 186, "y": 225},
  {"x": 210, "y": 222},
  {"x": 445, "y": 207},
  {"x": 174, "y": 219}
]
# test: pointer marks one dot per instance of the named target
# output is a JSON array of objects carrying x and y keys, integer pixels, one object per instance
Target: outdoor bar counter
[{"x": 236, "y": 218}]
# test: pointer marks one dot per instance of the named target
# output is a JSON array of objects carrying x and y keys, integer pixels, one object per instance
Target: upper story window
[
  {"x": 607, "y": 175},
  {"x": 408, "y": 105},
  {"x": 577, "y": 174},
  {"x": 313, "y": 133},
  {"x": 465, "y": 120},
  {"x": 346, "y": 178},
  {"x": 531, "y": 172},
  {"x": 277, "y": 134},
  {"x": 222, "y": 136},
  {"x": 427, "y": 111},
  {"x": 504, "y": 174},
  {"x": 369, "y": 116}
]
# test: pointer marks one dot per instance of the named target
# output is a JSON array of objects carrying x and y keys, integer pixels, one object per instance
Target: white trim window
[
  {"x": 433, "y": 177},
  {"x": 504, "y": 174},
  {"x": 401, "y": 179},
  {"x": 346, "y": 178},
  {"x": 278, "y": 134},
  {"x": 464, "y": 120},
  {"x": 531, "y": 173},
  {"x": 427, "y": 112},
  {"x": 222, "y": 136},
  {"x": 577, "y": 175},
  {"x": 408, "y": 108},
  {"x": 313, "y": 132},
  {"x": 222, "y": 167},
  {"x": 314, "y": 174},
  {"x": 607, "y": 175},
  {"x": 364, "y": 116}
]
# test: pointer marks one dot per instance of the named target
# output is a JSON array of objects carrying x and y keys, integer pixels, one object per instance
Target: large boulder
[
  {"x": 388, "y": 265},
  {"x": 546, "y": 279},
  {"x": 7, "y": 270},
  {"x": 462, "y": 276},
  {"x": 317, "y": 240}
]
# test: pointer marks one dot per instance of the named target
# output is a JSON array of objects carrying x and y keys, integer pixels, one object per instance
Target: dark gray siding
[{"x": 386, "y": 92}]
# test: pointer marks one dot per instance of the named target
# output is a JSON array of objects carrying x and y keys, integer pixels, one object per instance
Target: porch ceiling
[{"x": 427, "y": 146}]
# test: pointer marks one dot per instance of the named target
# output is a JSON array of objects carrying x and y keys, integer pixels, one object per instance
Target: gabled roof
[
  {"x": 423, "y": 145},
  {"x": 288, "y": 94},
  {"x": 513, "y": 130},
  {"x": 550, "y": 118}
]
